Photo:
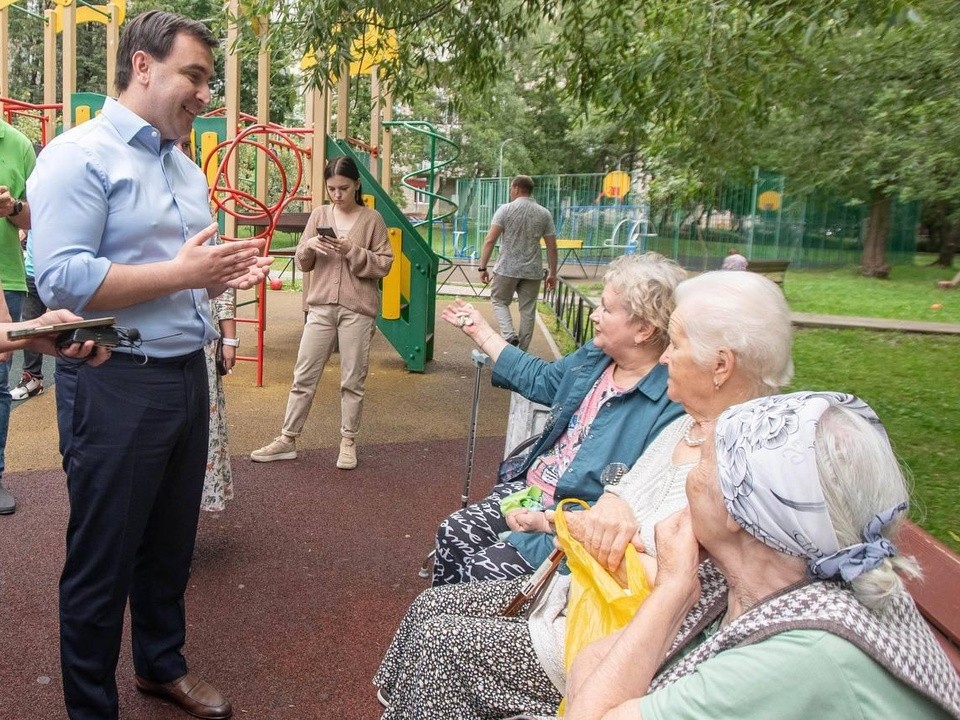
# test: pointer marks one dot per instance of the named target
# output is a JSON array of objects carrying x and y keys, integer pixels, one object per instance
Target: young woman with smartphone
[{"x": 345, "y": 249}]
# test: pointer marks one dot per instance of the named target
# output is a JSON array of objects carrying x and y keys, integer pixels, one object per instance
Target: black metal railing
[{"x": 572, "y": 311}]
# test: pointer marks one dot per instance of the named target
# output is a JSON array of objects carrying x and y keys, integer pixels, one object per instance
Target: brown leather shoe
[{"x": 195, "y": 696}]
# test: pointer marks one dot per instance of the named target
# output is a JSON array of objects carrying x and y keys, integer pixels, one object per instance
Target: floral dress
[{"x": 218, "y": 481}]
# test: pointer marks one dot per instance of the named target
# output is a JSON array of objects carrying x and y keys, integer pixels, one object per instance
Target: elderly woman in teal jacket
[{"x": 608, "y": 401}]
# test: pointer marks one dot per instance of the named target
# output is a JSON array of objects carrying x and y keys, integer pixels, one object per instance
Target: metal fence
[
  {"x": 764, "y": 219},
  {"x": 572, "y": 311}
]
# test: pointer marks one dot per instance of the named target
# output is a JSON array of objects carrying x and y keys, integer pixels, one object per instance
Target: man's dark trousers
[{"x": 134, "y": 444}]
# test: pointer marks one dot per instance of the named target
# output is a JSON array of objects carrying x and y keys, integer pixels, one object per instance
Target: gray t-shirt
[{"x": 524, "y": 222}]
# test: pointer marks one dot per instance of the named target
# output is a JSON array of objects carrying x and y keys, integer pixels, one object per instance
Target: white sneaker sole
[
  {"x": 346, "y": 465},
  {"x": 23, "y": 394},
  {"x": 278, "y": 456}
]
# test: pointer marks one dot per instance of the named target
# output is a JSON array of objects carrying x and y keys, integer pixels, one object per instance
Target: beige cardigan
[{"x": 350, "y": 279}]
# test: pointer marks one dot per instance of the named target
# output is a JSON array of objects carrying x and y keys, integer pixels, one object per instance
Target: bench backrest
[
  {"x": 937, "y": 595},
  {"x": 776, "y": 270}
]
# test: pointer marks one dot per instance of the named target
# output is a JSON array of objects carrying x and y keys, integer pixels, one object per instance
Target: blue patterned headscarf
[{"x": 771, "y": 485}]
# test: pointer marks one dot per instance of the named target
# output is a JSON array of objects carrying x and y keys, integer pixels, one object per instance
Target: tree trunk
[
  {"x": 948, "y": 245},
  {"x": 874, "y": 260}
]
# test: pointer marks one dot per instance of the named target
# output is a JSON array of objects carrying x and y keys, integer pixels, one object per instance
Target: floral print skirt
[
  {"x": 218, "y": 481},
  {"x": 455, "y": 656}
]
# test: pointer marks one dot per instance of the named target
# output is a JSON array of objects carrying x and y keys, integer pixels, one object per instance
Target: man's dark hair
[
  {"x": 523, "y": 183},
  {"x": 154, "y": 32}
]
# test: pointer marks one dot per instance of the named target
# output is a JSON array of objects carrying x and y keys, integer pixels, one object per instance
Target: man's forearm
[
  {"x": 552, "y": 260},
  {"x": 487, "y": 251},
  {"x": 489, "y": 242},
  {"x": 127, "y": 285}
]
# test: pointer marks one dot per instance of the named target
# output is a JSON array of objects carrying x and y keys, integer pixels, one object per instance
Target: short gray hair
[
  {"x": 860, "y": 477},
  {"x": 646, "y": 284},
  {"x": 745, "y": 312}
]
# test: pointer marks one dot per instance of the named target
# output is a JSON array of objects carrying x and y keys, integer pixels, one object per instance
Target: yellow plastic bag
[{"x": 597, "y": 605}]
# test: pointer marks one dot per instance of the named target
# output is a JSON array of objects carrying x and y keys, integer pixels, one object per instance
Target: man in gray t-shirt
[{"x": 520, "y": 223}]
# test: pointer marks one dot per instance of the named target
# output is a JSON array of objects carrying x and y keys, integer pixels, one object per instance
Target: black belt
[{"x": 141, "y": 359}]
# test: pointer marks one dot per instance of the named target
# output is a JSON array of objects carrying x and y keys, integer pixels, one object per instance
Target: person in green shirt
[{"x": 17, "y": 159}]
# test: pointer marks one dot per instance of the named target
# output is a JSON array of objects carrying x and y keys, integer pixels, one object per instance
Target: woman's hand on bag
[
  {"x": 606, "y": 529},
  {"x": 528, "y": 521}
]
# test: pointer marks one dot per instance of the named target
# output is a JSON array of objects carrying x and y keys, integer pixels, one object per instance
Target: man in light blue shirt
[{"x": 122, "y": 227}]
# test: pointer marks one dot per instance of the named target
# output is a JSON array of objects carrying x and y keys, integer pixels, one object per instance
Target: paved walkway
[{"x": 868, "y": 323}]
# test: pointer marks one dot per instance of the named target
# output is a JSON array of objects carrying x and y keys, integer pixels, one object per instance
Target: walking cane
[{"x": 480, "y": 360}]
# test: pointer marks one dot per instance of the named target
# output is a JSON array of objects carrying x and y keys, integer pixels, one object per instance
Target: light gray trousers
[{"x": 502, "y": 290}]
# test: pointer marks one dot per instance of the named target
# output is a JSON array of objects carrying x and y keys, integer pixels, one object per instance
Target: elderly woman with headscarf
[
  {"x": 799, "y": 610},
  {"x": 455, "y": 656},
  {"x": 607, "y": 401}
]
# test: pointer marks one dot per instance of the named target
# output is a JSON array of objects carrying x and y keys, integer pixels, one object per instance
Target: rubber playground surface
[{"x": 298, "y": 585}]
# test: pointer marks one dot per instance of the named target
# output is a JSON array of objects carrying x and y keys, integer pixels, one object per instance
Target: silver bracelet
[{"x": 232, "y": 342}]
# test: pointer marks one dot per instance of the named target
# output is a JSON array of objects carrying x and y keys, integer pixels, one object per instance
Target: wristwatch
[
  {"x": 232, "y": 342},
  {"x": 481, "y": 269},
  {"x": 17, "y": 208}
]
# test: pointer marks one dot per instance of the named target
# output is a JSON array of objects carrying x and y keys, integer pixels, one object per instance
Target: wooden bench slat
[{"x": 936, "y": 594}]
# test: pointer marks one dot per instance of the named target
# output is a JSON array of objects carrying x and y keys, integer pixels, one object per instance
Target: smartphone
[
  {"x": 58, "y": 328},
  {"x": 326, "y": 231},
  {"x": 101, "y": 336}
]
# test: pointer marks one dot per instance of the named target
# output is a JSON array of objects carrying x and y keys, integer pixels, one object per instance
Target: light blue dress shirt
[{"x": 110, "y": 190}]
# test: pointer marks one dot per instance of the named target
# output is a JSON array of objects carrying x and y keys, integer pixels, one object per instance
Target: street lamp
[{"x": 500, "y": 165}]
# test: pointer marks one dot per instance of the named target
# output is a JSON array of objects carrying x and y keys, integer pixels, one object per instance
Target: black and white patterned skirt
[{"x": 454, "y": 657}]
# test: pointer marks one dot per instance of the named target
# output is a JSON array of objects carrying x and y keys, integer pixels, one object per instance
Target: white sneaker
[
  {"x": 347, "y": 460},
  {"x": 282, "y": 448},
  {"x": 28, "y": 386}
]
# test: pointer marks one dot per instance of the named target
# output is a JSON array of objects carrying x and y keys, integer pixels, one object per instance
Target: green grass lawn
[
  {"x": 911, "y": 382},
  {"x": 910, "y": 294}
]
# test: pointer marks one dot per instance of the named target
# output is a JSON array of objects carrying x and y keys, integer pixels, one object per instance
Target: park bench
[
  {"x": 567, "y": 248},
  {"x": 936, "y": 594},
  {"x": 776, "y": 270}
]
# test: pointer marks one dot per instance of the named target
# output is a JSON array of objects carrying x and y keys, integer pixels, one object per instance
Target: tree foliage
[
  {"x": 872, "y": 114},
  {"x": 26, "y": 55},
  {"x": 695, "y": 85}
]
